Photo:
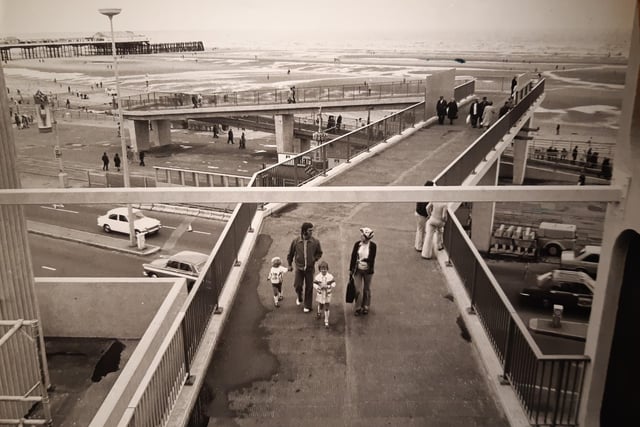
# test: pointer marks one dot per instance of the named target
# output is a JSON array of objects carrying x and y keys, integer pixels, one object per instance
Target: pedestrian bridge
[{"x": 148, "y": 117}]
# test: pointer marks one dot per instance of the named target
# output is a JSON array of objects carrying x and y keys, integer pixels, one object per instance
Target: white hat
[
  {"x": 367, "y": 232},
  {"x": 276, "y": 259}
]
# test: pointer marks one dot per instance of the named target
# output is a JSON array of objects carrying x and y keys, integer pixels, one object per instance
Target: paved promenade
[{"x": 409, "y": 362}]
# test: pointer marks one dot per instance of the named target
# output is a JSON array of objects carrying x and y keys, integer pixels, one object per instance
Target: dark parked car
[{"x": 571, "y": 289}]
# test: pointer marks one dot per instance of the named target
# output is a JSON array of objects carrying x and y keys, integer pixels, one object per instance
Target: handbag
[{"x": 351, "y": 290}]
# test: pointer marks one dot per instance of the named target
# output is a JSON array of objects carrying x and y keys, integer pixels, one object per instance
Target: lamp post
[{"x": 110, "y": 13}]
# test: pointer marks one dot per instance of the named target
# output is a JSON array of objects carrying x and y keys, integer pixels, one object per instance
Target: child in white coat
[{"x": 324, "y": 283}]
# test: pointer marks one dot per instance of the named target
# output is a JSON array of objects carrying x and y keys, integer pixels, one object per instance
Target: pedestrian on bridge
[
  {"x": 435, "y": 228},
  {"x": 363, "y": 259},
  {"x": 421, "y": 220},
  {"x": 452, "y": 110},
  {"x": 304, "y": 252},
  {"x": 441, "y": 109}
]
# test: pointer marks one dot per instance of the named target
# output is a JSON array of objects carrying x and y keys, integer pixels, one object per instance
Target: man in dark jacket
[
  {"x": 452, "y": 110},
  {"x": 441, "y": 109},
  {"x": 304, "y": 252}
]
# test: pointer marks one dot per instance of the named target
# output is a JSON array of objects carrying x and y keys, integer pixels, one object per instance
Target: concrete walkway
[{"x": 409, "y": 362}]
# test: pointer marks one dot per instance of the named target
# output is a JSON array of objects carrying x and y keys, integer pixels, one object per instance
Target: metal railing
[
  {"x": 465, "y": 164},
  {"x": 22, "y": 384},
  {"x": 196, "y": 178},
  {"x": 549, "y": 387},
  {"x": 276, "y": 96}
]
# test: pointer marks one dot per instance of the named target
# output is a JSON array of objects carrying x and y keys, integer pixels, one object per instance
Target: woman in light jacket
[
  {"x": 363, "y": 258},
  {"x": 435, "y": 226}
]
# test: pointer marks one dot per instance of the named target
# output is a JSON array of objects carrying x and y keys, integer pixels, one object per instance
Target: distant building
[{"x": 120, "y": 36}]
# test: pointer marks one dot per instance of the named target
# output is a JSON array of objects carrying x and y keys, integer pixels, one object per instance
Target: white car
[
  {"x": 117, "y": 220},
  {"x": 187, "y": 264},
  {"x": 111, "y": 91},
  {"x": 585, "y": 260}
]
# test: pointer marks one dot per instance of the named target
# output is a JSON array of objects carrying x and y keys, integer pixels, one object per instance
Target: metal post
[{"x": 110, "y": 13}]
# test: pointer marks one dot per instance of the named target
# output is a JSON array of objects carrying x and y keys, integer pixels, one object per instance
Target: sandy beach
[{"x": 582, "y": 96}]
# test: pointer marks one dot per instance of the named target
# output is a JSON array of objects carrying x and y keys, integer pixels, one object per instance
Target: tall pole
[{"x": 110, "y": 13}]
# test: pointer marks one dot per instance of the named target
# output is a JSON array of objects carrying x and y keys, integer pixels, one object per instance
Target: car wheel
[
  {"x": 106, "y": 228},
  {"x": 153, "y": 275},
  {"x": 553, "y": 250}
]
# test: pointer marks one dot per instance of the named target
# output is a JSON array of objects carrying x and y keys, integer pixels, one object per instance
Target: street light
[{"x": 110, "y": 13}]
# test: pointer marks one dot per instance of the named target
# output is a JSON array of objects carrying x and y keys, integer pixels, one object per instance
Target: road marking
[
  {"x": 176, "y": 234},
  {"x": 201, "y": 232},
  {"x": 58, "y": 209},
  {"x": 48, "y": 268}
]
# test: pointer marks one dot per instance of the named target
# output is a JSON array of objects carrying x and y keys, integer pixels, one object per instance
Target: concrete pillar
[
  {"x": 521, "y": 154},
  {"x": 284, "y": 133},
  {"x": 129, "y": 127},
  {"x": 141, "y": 130},
  {"x": 437, "y": 85},
  {"x": 608, "y": 364},
  {"x": 17, "y": 286},
  {"x": 162, "y": 130},
  {"x": 482, "y": 213}
]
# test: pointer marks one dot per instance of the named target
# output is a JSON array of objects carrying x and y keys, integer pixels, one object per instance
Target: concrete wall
[
  {"x": 99, "y": 308},
  {"x": 439, "y": 84},
  {"x": 163, "y": 327}
]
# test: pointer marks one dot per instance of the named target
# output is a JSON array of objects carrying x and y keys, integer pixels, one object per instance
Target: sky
[{"x": 344, "y": 16}]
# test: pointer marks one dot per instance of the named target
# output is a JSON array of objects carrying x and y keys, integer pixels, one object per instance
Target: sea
[{"x": 399, "y": 56}]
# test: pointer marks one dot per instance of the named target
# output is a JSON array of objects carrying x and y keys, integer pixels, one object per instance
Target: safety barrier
[{"x": 549, "y": 387}]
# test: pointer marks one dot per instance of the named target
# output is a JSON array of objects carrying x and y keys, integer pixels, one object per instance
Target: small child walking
[
  {"x": 324, "y": 284},
  {"x": 275, "y": 277}
]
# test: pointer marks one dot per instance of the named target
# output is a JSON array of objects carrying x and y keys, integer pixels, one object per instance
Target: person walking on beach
[
  {"x": 230, "y": 137},
  {"x": 435, "y": 228},
  {"x": 243, "y": 142},
  {"x": 441, "y": 109},
  {"x": 324, "y": 283},
  {"x": 116, "y": 162},
  {"x": 276, "y": 279},
  {"x": 141, "y": 157},
  {"x": 421, "y": 220},
  {"x": 558, "y": 129},
  {"x": 215, "y": 130},
  {"x": 105, "y": 162},
  {"x": 304, "y": 252},
  {"x": 452, "y": 110},
  {"x": 361, "y": 265}
]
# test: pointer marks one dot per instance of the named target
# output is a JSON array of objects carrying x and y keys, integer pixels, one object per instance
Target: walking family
[{"x": 304, "y": 252}]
